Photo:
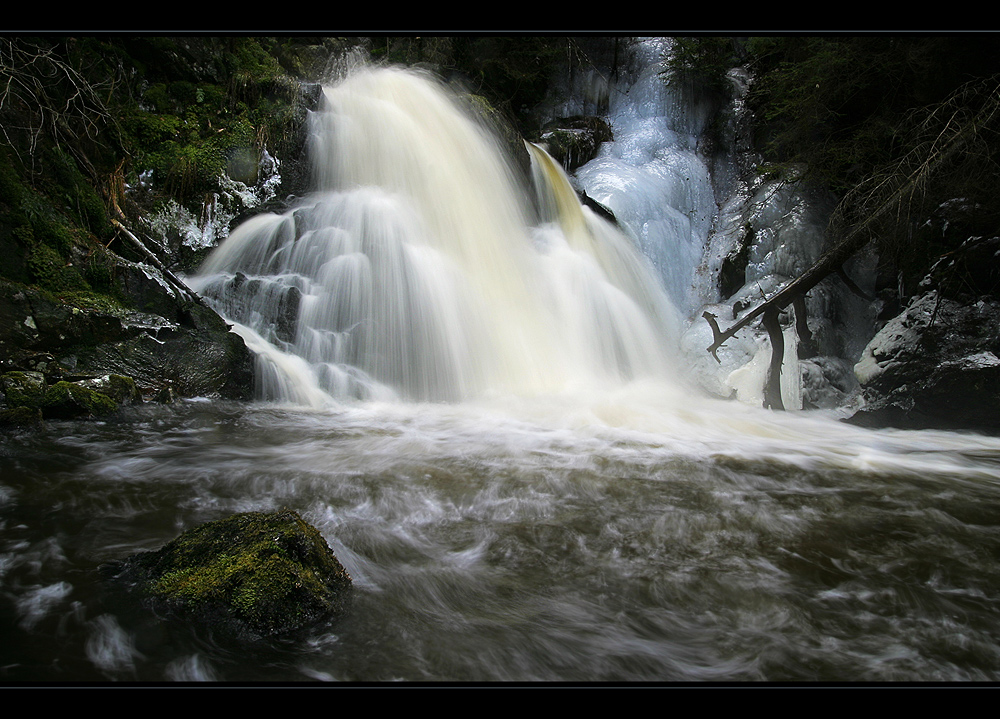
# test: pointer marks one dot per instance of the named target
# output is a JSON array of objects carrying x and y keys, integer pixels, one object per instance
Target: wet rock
[
  {"x": 20, "y": 416},
  {"x": 250, "y": 575},
  {"x": 935, "y": 365},
  {"x": 23, "y": 389},
  {"x": 67, "y": 400},
  {"x": 159, "y": 337},
  {"x": 122, "y": 390},
  {"x": 200, "y": 359},
  {"x": 21, "y": 395},
  {"x": 27, "y": 397},
  {"x": 574, "y": 141},
  {"x": 33, "y": 322}
]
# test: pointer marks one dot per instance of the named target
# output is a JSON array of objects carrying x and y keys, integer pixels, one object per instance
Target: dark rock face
[
  {"x": 250, "y": 575},
  {"x": 936, "y": 365},
  {"x": 197, "y": 358},
  {"x": 177, "y": 343},
  {"x": 574, "y": 141}
]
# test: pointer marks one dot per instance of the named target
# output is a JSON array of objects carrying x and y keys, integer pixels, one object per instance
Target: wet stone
[{"x": 249, "y": 576}]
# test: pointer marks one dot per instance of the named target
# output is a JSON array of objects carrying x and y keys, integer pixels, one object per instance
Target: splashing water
[{"x": 414, "y": 271}]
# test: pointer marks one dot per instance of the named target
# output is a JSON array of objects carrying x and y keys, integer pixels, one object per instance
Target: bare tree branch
[{"x": 41, "y": 92}]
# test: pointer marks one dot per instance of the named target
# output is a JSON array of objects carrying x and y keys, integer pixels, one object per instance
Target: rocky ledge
[{"x": 86, "y": 356}]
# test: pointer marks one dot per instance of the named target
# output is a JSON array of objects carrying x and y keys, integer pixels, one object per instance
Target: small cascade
[
  {"x": 631, "y": 320},
  {"x": 501, "y": 448},
  {"x": 413, "y": 272}
]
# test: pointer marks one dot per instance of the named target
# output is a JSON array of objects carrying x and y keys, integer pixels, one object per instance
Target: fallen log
[
  {"x": 948, "y": 132},
  {"x": 179, "y": 287},
  {"x": 831, "y": 262}
]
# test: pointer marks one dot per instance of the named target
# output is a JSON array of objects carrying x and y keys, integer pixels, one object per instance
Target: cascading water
[
  {"x": 652, "y": 176},
  {"x": 413, "y": 270},
  {"x": 569, "y": 514}
]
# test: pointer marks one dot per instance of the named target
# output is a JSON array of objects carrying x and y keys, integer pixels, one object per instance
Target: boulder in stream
[{"x": 250, "y": 575}]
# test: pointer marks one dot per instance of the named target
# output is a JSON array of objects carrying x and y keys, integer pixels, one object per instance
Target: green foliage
[
  {"x": 252, "y": 56},
  {"x": 99, "y": 272},
  {"x": 51, "y": 272},
  {"x": 185, "y": 130},
  {"x": 836, "y": 103},
  {"x": 81, "y": 202},
  {"x": 39, "y": 239}
]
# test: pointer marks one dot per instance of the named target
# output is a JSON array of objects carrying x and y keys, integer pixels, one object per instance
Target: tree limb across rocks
[
  {"x": 831, "y": 262},
  {"x": 179, "y": 287},
  {"x": 947, "y": 129}
]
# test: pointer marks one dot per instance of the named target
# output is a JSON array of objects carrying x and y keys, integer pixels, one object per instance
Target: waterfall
[
  {"x": 416, "y": 269},
  {"x": 527, "y": 492},
  {"x": 653, "y": 177},
  {"x": 699, "y": 217}
]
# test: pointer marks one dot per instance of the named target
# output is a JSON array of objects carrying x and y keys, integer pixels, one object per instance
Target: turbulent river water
[
  {"x": 475, "y": 397},
  {"x": 630, "y": 536}
]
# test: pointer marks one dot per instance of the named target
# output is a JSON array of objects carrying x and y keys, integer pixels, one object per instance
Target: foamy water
[{"x": 544, "y": 539}]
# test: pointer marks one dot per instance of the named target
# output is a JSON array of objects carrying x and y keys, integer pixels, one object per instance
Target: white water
[
  {"x": 420, "y": 273},
  {"x": 426, "y": 270}
]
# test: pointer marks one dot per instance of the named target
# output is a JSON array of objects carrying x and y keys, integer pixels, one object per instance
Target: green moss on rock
[
  {"x": 20, "y": 416},
  {"x": 257, "y": 574},
  {"x": 23, "y": 389},
  {"x": 118, "y": 388},
  {"x": 67, "y": 400}
]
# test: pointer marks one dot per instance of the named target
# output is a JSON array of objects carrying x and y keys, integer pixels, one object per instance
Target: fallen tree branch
[
  {"x": 954, "y": 136},
  {"x": 830, "y": 262},
  {"x": 172, "y": 279},
  {"x": 948, "y": 137}
]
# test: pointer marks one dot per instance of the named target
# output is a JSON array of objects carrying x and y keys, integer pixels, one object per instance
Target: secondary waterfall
[
  {"x": 421, "y": 269},
  {"x": 652, "y": 176}
]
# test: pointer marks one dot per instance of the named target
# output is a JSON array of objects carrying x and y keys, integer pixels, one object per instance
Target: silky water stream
[{"x": 476, "y": 400}]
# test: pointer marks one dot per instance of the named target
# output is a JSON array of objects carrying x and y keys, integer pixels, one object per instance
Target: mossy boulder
[
  {"x": 32, "y": 397},
  {"x": 18, "y": 416},
  {"x": 68, "y": 400},
  {"x": 250, "y": 575},
  {"x": 22, "y": 389},
  {"x": 119, "y": 388}
]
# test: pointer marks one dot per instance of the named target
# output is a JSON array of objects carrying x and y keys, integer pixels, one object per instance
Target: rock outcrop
[
  {"x": 935, "y": 365},
  {"x": 178, "y": 346},
  {"x": 575, "y": 141}
]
